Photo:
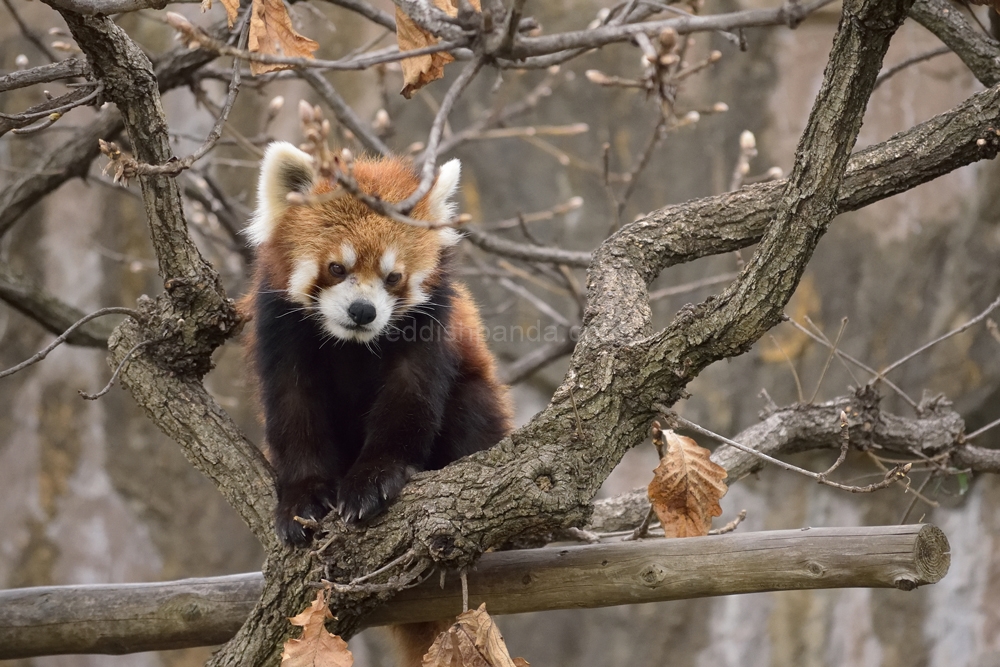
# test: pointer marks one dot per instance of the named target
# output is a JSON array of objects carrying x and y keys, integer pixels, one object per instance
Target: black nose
[{"x": 362, "y": 312}]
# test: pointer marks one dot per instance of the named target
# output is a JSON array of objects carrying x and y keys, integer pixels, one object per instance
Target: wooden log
[{"x": 200, "y": 612}]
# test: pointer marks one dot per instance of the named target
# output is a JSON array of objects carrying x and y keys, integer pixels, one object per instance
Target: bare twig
[
  {"x": 891, "y": 477},
  {"x": 821, "y": 339},
  {"x": 978, "y": 432},
  {"x": 113, "y": 310},
  {"x": 975, "y": 320},
  {"x": 127, "y": 167},
  {"x": 195, "y": 35},
  {"x": 829, "y": 358},
  {"x": 128, "y": 355},
  {"x": 731, "y": 526},
  {"x": 919, "y": 58},
  {"x": 685, "y": 288},
  {"x": 795, "y": 373}
]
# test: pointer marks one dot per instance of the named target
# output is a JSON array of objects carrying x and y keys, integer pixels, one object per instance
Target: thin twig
[
  {"x": 860, "y": 364},
  {"x": 643, "y": 528},
  {"x": 429, "y": 158},
  {"x": 404, "y": 558},
  {"x": 890, "y": 478},
  {"x": 919, "y": 58},
  {"x": 795, "y": 373},
  {"x": 113, "y": 310},
  {"x": 917, "y": 496},
  {"x": 731, "y": 526},
  {"x": 845, "y": 443},
  {"x": 829, "y": 358},
  {"x": 982, "y": 430},
  {"x": 114, "y": 376},
  {"x": 128, "y": 167},
  {"x": 975, "y": 320},
  {"x": 684, "y": 288}
]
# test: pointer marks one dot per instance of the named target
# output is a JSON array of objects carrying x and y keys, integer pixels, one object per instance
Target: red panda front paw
[
  {"x": 369, "y": 488},
  {"x": 308, "y": 499}
]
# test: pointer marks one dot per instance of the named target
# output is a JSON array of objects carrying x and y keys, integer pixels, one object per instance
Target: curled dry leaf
[
  {"x": 686, "y": 486},
  {"x": 316, "y": 647},
  {"x": 472, "y": 641},
  {"x": 418, "y": 71},
  {"x": 271, "y": 33}
]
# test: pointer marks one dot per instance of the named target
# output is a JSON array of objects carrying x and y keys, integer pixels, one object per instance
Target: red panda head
[{"x": 358, "y": 270}]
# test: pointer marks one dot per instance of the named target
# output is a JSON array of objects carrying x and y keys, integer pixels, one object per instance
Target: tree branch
[
  {"x": 753, "y": 304},
  {"x": 49, "y": 311},
  {"x": 979, "y": 53},
  {"x": 129, "y": 618},
  {"x": 72, "y": 158},
  {"x": 64, "y": 69},
  {"x": 193, "y": 317}
]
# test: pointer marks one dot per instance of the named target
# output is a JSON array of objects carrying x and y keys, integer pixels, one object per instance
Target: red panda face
[{"x": 357, "y": 272}]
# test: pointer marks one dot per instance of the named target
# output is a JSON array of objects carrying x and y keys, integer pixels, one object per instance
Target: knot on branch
[{"x": 186, "y": 325}]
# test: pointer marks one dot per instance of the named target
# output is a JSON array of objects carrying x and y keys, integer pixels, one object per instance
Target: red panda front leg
[
  {"x": 303, "y": 450},
  {"x": 400, "y": 431}
]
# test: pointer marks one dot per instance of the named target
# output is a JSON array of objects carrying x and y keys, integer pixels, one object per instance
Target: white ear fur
[
  {"x": 283, "y": 170},
  {"x": 439, "y": 198}
]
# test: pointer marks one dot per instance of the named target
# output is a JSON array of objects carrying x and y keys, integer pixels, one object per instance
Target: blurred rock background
[{"x": 90, "y": 492}]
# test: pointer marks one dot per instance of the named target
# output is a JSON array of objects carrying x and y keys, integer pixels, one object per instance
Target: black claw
[
  {"x": 311, "y": 499},
  {"x": 367, "y": 490}
]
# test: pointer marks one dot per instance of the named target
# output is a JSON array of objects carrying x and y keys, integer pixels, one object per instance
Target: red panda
[{"x": 368, "y": 358}]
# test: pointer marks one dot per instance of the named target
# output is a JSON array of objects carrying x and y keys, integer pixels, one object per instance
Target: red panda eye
[
  {"x": 337, "y": 269},
  {"x": 393, "y": 278}
]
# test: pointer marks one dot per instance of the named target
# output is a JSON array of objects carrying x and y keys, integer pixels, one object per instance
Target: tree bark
[{"x": 131, "y": 618}]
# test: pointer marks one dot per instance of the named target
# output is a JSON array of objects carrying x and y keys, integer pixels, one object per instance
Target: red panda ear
[
  {"x": 284, "y": 170},
  {"x": 439, "y": 199}
]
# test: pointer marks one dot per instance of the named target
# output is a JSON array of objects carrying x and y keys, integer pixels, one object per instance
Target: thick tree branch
[
  {"x": 64, "y": 69},
  {"x": 198, "y": 612},
  {"x": 979, "y": 53},
  {"x": 713, "y": 225},
  {"x": 193, "y": 317},
  {"x": 50, "y": 311},
  {"x": 108, "y": 7}
]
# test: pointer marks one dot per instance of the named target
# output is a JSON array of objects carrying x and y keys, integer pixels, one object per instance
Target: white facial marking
[
  {"x": 334, "y": 302},
  {"x": 388, "y": 262},
  {"x": 301, "y": 281},
  {"x": 416, "y": 286},
  {"x": 348, "y": 256}
]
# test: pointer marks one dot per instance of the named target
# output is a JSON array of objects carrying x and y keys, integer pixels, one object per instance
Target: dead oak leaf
[
  {"x": 316, "y": 647},
  {"x": 418, "y": 71},
  {"x": 686, "y": 486},
  {"x": 271, "y": 33},
  {"x": 472, "y": 641}
]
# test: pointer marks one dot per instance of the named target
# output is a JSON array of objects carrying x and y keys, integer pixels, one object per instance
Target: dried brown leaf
[
  {"x": 316, "y": 647},
  {"x": 271, "y": 33},
  {"x": 418, "y": 71},
  {"x": 472, "y": 641},
  {"x": 686, "y": 486}
]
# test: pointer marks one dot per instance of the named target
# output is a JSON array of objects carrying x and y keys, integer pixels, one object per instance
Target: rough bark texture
[
  {"x": 198, "y": 612},
  {"x": 213, "y": 449}
]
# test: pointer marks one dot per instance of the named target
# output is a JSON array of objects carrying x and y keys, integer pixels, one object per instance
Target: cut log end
[{"x": 931, "y": 555}]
